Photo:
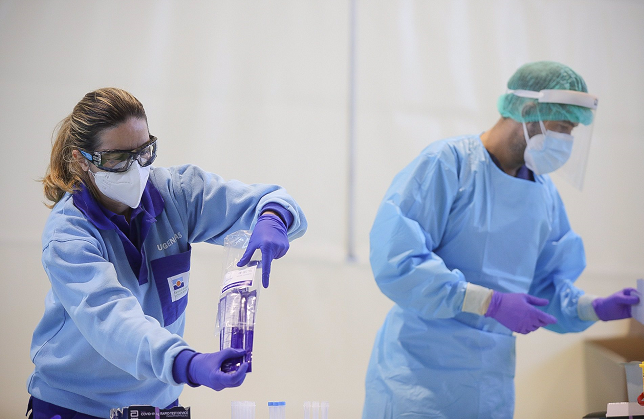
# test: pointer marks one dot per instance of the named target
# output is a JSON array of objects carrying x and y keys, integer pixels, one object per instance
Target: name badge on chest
[{"x": 178, "y": 285}]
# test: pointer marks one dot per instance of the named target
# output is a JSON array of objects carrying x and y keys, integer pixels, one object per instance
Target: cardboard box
[
  {"x": 605, "y": 373},
  {"x": 150, "y": 412}
]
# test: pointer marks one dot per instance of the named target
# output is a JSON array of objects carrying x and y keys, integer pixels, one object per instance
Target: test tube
[
  {"x": 276, "y": 410},
  {"x": 242, "y": 410},
  {"x": 315, "y": 410},
  {"x": 324, "y": 410},
  {"x": 307, "y": 410}
]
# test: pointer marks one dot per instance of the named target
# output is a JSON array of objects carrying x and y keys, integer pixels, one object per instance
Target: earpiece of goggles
[{"x": 121, "y": 160}]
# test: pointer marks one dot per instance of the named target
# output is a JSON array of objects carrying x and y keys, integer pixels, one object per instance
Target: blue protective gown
[
  {"x": 109, "y": 335},
  {"x": 449, "y": 218}
]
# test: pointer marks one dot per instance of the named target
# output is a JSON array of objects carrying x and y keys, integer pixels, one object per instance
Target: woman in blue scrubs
[
  {"x": 472, "y": 243},
  {"x": 116, "y": 249}
]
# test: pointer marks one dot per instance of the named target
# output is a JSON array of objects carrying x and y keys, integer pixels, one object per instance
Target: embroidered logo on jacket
[
  {"x": 178, "y": 285},
  {"x": 173, "y": 240}
]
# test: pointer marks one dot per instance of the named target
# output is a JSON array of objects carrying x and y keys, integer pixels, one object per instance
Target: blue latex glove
[
  {"x": 269, "y": 235},
  {"x": 517, "y": 311},
  {"x": 616, "y": 306},
  {"x": 205, "y": 369}
]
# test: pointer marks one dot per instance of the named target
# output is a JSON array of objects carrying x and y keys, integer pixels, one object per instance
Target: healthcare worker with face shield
[
  {"x": 116, "y": 249},
  {"x": 472, "y": 243}
]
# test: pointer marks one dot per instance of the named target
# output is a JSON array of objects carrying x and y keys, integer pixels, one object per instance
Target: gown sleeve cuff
[
  {"x": 180, "y": 367},
  {"x": 477, "y": 299},
  {"x": 585, "y": 309},
  {"x": 284, "y": 214}
]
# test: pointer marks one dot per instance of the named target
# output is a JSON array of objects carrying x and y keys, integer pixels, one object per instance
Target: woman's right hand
[
  {"x": 205, "y": 369},
  {"x": 197, "y": 369}
]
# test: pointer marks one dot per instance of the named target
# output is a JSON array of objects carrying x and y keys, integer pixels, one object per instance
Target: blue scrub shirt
[{"x": 115, "y": 315}]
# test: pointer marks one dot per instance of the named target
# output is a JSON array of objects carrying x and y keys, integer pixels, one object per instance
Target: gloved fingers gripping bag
[{"x": 238, "y": 300}]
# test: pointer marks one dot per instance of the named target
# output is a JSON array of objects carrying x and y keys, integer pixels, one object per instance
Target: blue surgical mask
[{"x": 548, "y": 151}]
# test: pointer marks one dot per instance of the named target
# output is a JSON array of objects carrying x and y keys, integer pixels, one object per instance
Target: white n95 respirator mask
[
  {"x": 548, "y": 151},
  {"x": 125, "y": 187}
]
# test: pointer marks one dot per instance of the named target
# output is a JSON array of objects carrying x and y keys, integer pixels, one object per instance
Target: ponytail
[{"x": 63, "y": 174}]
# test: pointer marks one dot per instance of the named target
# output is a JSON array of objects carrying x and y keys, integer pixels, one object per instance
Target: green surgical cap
[{"x": 539, "y": 76}]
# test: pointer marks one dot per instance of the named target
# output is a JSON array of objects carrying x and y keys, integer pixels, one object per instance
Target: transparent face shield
[
  {"x": 574, "y": 170},
  {"x": 582, "y": 117}
]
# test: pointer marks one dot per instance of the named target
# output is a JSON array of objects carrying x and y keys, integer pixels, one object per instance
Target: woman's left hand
[{"x": 269, "y": 235}]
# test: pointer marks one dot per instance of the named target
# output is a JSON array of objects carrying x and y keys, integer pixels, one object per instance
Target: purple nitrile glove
[
  {"x": 517, "y": 311},
  {"x": 197, "y": 369},
  {"x": 616, "y": 306},
  {"x": 269, "y": 235}
]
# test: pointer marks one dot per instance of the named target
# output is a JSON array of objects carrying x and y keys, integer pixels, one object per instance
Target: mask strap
[
  {"x": 525, "y": 130},
  {"x": 525, "y": 133},
  {"x": 92, "y": 174}
]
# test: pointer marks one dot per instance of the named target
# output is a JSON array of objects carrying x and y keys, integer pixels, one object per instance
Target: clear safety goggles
[
  {"x": 574, "y": 170},
  {"x": 121, "y": 160}
]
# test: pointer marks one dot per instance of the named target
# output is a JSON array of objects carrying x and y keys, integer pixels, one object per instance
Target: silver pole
[{"x": 351, "y": 181}]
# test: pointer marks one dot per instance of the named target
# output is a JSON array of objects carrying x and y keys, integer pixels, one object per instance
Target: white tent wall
[{"x": 259, "y": 91}]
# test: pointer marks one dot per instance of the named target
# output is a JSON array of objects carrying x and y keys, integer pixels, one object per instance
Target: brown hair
[{"x": 97, "y": 111}]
